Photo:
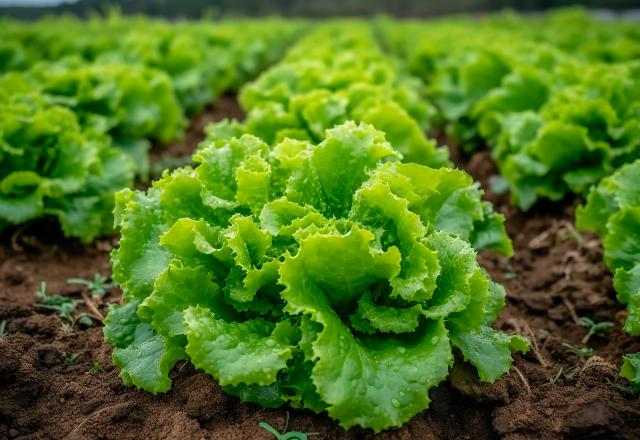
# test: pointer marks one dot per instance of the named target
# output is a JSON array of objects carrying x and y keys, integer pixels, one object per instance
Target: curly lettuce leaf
[
  {"x": 251, "y": 352},
  {"x": 622, "y": 242},
  {"x": 145, "y": 357}
]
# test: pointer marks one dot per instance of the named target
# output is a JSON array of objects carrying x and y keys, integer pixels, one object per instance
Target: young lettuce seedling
[
  {"x": 3, "y": 328},
  {"x": 583, "y": 352},
  {"x": 594, "y": 327},
  {"x": 63, "y": 306},
  {"x": 293, "y": 435},
  {"x": 98, "y": 286}
]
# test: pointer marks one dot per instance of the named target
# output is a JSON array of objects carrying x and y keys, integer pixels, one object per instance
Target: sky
[{"x": 33, "y": 2}]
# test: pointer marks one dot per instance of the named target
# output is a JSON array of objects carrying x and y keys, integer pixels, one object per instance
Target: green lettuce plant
[
  {"x": 331, "y": 277},
  {"x": 49, "y": 166}
]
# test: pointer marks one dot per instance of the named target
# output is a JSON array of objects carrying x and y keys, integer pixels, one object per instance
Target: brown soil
[
  {"x": 226, "y": 106},
  {"x": 555, "y": 277}
]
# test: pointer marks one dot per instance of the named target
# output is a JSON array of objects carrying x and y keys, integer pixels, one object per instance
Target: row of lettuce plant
[
  {"x": 612, "y": 210},
  {"x": 347, "y": 77},
  {"x": 556, "y": 121},
  {"x": 203, "y": 59},
  {"x": 557, "y": 101},
  {"x": 51, "y": 166},
  {"x": 307, "y": 259},
  {"x": 75, "y": 95}
]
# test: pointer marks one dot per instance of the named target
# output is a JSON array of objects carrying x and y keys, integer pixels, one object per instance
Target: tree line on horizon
[{"x": 303, "y": 8}]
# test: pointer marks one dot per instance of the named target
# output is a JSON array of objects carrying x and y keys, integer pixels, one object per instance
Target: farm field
[{"x": 315, "y": 236}]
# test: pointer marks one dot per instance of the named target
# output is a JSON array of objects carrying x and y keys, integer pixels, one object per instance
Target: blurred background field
[{"x": 31, "y": 9}]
